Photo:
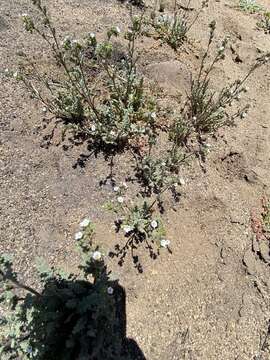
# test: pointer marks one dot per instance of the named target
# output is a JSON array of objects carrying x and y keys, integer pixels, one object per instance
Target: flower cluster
[{"x": 84, "y": 239}]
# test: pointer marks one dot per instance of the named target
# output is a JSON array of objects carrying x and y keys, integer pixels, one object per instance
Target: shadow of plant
[{"x": 72, "y": 318}]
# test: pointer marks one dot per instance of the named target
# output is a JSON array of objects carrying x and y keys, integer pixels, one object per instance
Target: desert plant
[
  {"x": 173, "y": 29},
  {"x": 264, "y": 22},
  {"x": 100, "y": 97},
  {"x": 249, "y": 6},
  {"x": 139, "y": 225},
  {"x": 69, "y": 317},
  {"x": 207, "y": 110},
  {"x": 158, "y": 174},
  {"x": 266, "y": 214}
]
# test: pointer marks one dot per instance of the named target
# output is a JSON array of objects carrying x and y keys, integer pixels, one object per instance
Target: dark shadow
[
  {"x": 139, "y": 3},
  {"x": 73, "y": 319},
  {"x": 111, "y": 342}
]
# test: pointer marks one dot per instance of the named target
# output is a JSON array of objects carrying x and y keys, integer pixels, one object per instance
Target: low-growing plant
[
  {"x": 173, "y": 29},
  {"x": 139, "y": 226},
  {"x": 266, "y": 214},
  {"x": 249, "y": 6},
  {"x": 100, "y": 94},
  {"x": 264, "y": 22},
  {"x": 208, "y": 110},
  {"x": 69, "y": 316},
  {"x": 159, "y": 174}
]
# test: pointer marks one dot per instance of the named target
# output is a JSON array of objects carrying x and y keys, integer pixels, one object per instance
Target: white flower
[
  {"x": 120, "y": 199},
  {"x": 221, "y": 48},
  {"x": 25, "y": 15},
  {"x": 127, "y": 229},
  {"x": 15, "y": 75},
  {"x": 154, "y": 224},
  {"x": 194, "y": 118},
  {"x": 93, "y": 128},
  {"x": 110, "y": 290},
  {"x": 153, "y": 115},
  {"x": 78, "y": 235},
  {"x": 84, "y": 223},
  {"x": 164, "y": 243},
  {"x": 92, "y": 35},
  {"x": 117, "y": 29},
  {"x": 97, "y": 255},
  {"x": 116, "y": 188},
  {"x": 243, "y": 115},
  {"x": 44, "y": 109},
  {"x": 182, "y": 181},
  {"x": 7, "y": 71}
]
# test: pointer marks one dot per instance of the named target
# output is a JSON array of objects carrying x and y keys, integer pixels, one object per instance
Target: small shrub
[
  {"x": 173, "y": 29},
  {"x": 264, "y": 23},
  {"x": 208, "y": 110},
  {"x": 249, "y": 6},
  {"x": 266, "y": 214},
  {"x": 68, "y": 317},
  {"x": 100, "y": 97},
  {"x": 139, "y": 226},
  {"x": 158, "y": 175}
]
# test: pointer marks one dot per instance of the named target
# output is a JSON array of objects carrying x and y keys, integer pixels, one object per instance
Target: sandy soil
[{"x": 207, "y": 300}]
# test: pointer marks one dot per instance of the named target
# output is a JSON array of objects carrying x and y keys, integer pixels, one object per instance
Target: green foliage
[
  {"x": 101, "y": 96},
  {"x": 264, "y": 22},
  {"x": 249, "y": 6},
  {"x": 159, "y": 174},
  {"x": 207, "y": 109},
  {"x": 70, "y": 317},
  {"x": 139, "y": 223},
  {"x": 173, "y": 29},
  {"x": 266, "y": 214},
  {"x": 140, "y": 226}
]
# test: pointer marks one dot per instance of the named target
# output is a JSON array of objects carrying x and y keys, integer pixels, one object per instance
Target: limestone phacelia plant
[
  {"x": 250, "y": 6},
  {"x": 208, "y": 110},
  {"x": 264, "y": 22},
  {"x": 138, "y": 222},
  {"x": 174, "y": 28},
  {"x": 99, "y": 93}
]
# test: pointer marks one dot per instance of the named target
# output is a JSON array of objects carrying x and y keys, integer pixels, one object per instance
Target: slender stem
[{"x": 19, "y": 285}]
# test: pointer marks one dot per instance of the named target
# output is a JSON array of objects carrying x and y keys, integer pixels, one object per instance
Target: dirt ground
[{"x": 210, "y": 298}]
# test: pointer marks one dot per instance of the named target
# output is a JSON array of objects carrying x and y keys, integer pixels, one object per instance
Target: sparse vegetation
[
  {"x": 266, "y": 215},
  {"x": 264, "y": 22},
  {"x": 173, "y": 29},
  {"x": 250, "y": 6},
  {"x": 100, "y": 93},
  {"x": 100, "y": 98},
  {"x": 207, "y": 109},
  {"x": 139, "y": 225},
  {"x": 104, "y": 99}
]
